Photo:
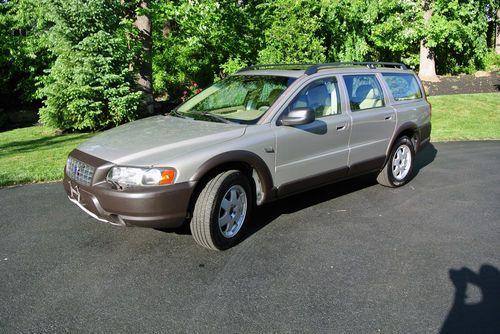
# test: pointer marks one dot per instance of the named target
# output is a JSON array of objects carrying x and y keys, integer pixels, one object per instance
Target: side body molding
[{"x": 240, "y": 156}]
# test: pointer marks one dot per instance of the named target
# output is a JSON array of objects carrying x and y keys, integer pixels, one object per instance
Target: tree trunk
[
  {"x": 145, "y": 78},
  {"x": 497, "y": 38},
  {"x": 427, "y": 70}
]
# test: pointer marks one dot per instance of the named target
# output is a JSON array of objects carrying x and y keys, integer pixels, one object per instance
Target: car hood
[{"x": 148, "y": 141}]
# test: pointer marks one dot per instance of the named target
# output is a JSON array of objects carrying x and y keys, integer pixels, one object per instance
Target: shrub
[{"x": 90, "y": 86}]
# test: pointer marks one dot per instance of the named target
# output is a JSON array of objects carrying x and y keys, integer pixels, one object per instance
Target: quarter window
[
  {"x": 322, "y": 96},
  {"x": 364, "y": 92},
  {"x": 403, "y": 86}
]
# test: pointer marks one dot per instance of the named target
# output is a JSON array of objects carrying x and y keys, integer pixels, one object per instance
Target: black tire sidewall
[
  {"x": 401, "y": 141},
  {"x": 221, "y": 242}
]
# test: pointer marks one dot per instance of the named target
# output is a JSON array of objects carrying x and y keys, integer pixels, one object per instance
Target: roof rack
[
  {"x": 266, "y": 66},
  {"x": 314, "y": 68},
  {"x": 370, "y": 64}
]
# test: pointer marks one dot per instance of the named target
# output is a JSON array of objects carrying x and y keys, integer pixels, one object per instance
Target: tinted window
[
  {"x": 322, "y": 96},
  {"x": 403, "y": 86},
  {"x": 364, "y": 92}
]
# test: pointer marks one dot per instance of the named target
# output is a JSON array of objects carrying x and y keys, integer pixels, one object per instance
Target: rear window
[{"x": 403, "y": 86}]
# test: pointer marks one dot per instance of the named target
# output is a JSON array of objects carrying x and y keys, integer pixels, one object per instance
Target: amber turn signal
[{"x": 167, "y": 176}]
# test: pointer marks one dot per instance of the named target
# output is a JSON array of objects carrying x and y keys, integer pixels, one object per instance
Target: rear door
[{"x": 373, "y": 122}]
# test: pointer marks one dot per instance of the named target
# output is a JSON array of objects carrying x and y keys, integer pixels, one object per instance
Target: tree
[
  {"x": 427, "y": 68},
  {"x": 91, "y": 84},
  {"x": 93, "y": 64},
  {"x": 23, "y": 54},
  {"x": 294, "y": 32},
  {"x": 497, "y": 35},
  {"x": 194, "y": 41},
  {"x": 145, "y": 77}
]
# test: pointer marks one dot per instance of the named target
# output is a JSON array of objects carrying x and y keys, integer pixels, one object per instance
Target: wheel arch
[
  {"x": 409, "y": 129},
  {"x": 248, "y": 162}
]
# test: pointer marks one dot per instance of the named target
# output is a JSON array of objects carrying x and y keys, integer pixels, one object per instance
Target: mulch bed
[{"x": 464, "y": 84}]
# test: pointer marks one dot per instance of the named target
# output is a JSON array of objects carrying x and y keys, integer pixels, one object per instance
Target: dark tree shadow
[
  {"x": 23, "y": 146},
  {"x": 482, "y": 317}
]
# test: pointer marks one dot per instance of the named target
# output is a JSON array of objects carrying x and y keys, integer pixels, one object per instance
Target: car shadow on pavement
[
  {"x": 480, "y": 317},
  {"x": 269, "y": 212},
  {"x": 424, "y": 158}
]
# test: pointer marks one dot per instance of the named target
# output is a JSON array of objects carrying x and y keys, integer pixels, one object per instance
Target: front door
[{"x": 310, "y": 154}]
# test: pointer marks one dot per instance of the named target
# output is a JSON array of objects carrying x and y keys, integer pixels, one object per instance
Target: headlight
[{"x": 134, "y": 176}]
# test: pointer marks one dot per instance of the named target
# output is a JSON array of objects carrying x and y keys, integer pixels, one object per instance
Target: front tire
[
  {"x": 222, "y": 210},
  {"x": 398, "y": 169}
]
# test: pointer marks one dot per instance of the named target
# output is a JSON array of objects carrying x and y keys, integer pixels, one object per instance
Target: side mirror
[{"x": 298, "y": 117}]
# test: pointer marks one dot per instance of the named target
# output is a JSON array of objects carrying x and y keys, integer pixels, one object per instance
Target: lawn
[
  {"x": 465, "y": 117},
  {"x": 37, "y": 154}
]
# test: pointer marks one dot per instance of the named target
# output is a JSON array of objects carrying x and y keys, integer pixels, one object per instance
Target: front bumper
[{"x": 156, "y": 206}]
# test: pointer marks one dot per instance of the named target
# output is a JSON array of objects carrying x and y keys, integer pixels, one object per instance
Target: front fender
[{"x": 239, "y": 156}]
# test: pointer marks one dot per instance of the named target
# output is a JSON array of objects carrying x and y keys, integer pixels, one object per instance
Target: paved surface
[{"x": 350, "y": 258}]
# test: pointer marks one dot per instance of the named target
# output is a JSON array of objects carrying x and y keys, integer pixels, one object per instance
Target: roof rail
[
  {"x": 370, "y": 64},
  {"x": 264, "y": 66},
  {"x": 313, "y": 68}
]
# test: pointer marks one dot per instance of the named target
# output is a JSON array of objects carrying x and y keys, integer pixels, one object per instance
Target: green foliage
[
  {"x": 492, "y": 61},
  {"x": 458, "y": 34},
  {"x": 232, "y": 66},
  {"x": 23, "y": 53},
  {"x": 397, "y": 32},
  {"x": 294, "y": 33},
  {"x": 359, "y": 30},
  {"x": 192, "y": 39},
  {"x": 91, "y": 85},
  {"x": 81, "y": 55}
]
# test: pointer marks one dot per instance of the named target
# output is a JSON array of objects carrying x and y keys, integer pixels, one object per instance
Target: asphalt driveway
[{"x": 354, "y": 257}]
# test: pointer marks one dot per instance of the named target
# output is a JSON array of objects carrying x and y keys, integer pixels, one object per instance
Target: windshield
[{"x": 240, "y": 98}]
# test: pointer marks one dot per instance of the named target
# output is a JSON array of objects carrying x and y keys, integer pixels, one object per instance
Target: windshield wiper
[
  {"x": 205, "y": 113},
  {"x": 217, "y": 117}
]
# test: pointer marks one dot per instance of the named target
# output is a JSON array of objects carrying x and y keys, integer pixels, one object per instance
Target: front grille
[{"x": 79, "y": 171}]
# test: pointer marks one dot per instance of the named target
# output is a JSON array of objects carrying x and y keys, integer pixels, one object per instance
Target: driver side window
[{"x": 322, "y": 96}]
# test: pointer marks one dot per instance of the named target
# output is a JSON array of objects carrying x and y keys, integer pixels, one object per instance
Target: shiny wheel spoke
[
  {"x": 233, "y": 209},
  {"x": 225, "y": 205},
  {"x": 401, "y": 162},
  {"x": 225, "y": 221},
  {"x": 233, "y": 196}
]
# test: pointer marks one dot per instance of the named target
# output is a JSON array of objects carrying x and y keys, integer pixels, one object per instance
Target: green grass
[
  {"x": 35, "y": 154},
  {"x": 465, "y": 117}
]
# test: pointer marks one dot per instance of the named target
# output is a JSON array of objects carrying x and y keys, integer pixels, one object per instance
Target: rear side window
[
  {"x": 364, "y": 92},
  {"x": 403, "y": 86}
]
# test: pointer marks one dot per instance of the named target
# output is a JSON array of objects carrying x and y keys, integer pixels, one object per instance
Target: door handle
[
  {"x": 388, "y": 118},
  {"x": 341, "y": 127}
]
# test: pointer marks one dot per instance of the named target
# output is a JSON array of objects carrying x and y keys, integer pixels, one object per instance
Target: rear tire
[
  {"x": 222, "y": 211},
  {"x": 398, "y": 169}
]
